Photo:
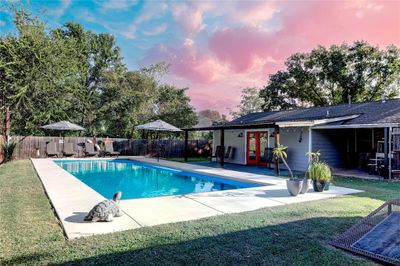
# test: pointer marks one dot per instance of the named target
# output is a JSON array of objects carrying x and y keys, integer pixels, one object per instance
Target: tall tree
[
  {"x": 328, "y": 76},
  {"x": 173, "y": 106},
  {"x": 98, "y": 54},
  {"x": 69, "y": 73},
  {"x": 211, "y": 114},
  {"x": 37, "y": 76},
  {"x": 127, "y": 100},
  {"x": 250, "y": 103},
  {"x": 53, "y": 75}
]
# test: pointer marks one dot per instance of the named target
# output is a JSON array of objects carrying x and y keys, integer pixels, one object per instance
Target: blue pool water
[{"x": 140, "y": 180}]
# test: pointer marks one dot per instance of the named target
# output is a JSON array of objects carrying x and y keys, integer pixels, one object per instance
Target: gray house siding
[
  {"x": 329, "y": 144},
  {"x": 297, "y": 149}
]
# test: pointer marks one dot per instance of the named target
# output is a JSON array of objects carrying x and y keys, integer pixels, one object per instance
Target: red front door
[{"x": 257, "y": 142}]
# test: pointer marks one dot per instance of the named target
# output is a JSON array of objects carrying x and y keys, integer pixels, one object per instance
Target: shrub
[
  {"x": 8, "y": 150},
  {"x": 320, "y": 171}
]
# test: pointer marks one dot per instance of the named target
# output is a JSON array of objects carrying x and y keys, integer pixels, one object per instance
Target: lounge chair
[
  {"x": 89, "y": 149},
  {"x": 51, "y": 149},
  {"x": 109, "y": 150},
  {"x": 68, "y": 149}
]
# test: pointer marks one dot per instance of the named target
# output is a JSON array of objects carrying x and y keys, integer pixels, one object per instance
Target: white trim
[
  {"x": 245, "y": 146},
  {"x": 390, "y": 153},
  {"x": 315, "y": 122},
  {"x": 357, "y": 126},
  {"x": 309, "y": 142}
]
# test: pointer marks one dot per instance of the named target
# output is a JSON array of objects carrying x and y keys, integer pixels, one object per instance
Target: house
[{"x": 349, "y": 136}]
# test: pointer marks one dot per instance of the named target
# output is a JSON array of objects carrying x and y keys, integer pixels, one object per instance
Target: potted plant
[
  {"x": 293, "y": 184},
  {"x": 313, "y": 158},
  {"x": 321, "y": 175}
]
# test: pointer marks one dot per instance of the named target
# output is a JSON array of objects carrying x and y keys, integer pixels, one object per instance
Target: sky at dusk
[{"x": 216, "y": 48}]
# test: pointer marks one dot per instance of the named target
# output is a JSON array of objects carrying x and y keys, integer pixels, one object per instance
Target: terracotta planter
[{"x": 294, "y": 186}]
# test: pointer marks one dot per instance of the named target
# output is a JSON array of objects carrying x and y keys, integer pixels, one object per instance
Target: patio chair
[
  {"x": 51, "y": 149},
  {"x": 269, "y": 156},
  {"x": 68, "y": 149},
  {"x": 219, "y": 152},
  {"x": 229, "y": 152},
  {"x": 89, "y": 149},
  {"x": 109, "y": 150}
]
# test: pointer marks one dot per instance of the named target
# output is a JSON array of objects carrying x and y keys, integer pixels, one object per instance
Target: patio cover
[
  {"x": 159, "y": 125},
  {"x": 63, "y": 126}
]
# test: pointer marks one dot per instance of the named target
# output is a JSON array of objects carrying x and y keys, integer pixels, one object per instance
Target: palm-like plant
[
  {"x": 320, "y": 172},
  {"x": 314, "y": 158},
  {"x": 8, "y": 150},
  {"x": 280, "y": 153}
]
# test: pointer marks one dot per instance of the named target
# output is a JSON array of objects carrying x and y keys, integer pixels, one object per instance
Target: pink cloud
[
  {"x": 254, "y": 12},
  {"x": 186, "y": 62},
  {"x": 189, "y": 16},
  {"x": 246, "y": 52},
  {"x": 240, "y": 47}
]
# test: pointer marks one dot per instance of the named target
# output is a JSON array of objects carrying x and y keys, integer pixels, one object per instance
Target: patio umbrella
[
  {"x": 63, "y": 126},
  {"x": 159, "y": 125}
]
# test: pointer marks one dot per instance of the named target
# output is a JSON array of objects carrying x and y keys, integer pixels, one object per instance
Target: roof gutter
[
  {"x": 357, "y": 126},
  {"x": 312, "y": 123}
]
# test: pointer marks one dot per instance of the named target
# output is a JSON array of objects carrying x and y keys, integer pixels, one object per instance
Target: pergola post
[
  {"x": 222, "y": 143},
  {"x": 276, "y": 145},
  {"x": 385, "y": 147},
  {"x": 390, "y": 153},
  {"x": 185, "y": 151}
]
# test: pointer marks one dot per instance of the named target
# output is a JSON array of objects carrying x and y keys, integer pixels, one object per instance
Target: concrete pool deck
[{"x": 72, "y": 199}]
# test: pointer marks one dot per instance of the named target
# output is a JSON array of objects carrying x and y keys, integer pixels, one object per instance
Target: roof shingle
[{"x": 375, "y": 112}]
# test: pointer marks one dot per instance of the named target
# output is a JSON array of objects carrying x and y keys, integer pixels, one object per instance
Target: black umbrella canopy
[
  {"x": 159, "y": 125},
  {"x": 63, "y": 126}
]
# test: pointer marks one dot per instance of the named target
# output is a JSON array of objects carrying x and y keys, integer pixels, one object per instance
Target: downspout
[
  {"x": 390, "y": 153},
  {"x": 309, "y": 142}
]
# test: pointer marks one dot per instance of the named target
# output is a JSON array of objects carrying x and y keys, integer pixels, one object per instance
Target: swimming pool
[{"x": 141, "y": 180}]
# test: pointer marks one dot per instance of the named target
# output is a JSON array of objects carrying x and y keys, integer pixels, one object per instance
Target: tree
[
  {"x": 327, "y": 76},
  {"x": 69, "y": 73},
  {"x": 98, "y": 55},
  {"x": 47, "y": 76},
  {"x": 37, "y": 76},
  {"x": 127, "y": 100},
  {"x": 135, "y": 97},
  {"x": 210, "y": 114},
  {"x": 173, "y": 106},
  {"x": 250, "y": 103}
]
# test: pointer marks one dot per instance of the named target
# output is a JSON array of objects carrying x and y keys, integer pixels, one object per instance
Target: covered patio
[
  {"x": 362, "y": 151},
  {"x": 369, "y": 152},
  {"x": 271, "y": 130}
]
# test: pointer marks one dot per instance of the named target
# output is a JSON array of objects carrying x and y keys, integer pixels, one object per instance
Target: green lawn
[{"x": 297, "y": 234}]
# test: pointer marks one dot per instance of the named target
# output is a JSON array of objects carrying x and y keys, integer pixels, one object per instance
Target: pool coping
[{"x": 72, "y": 199}]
